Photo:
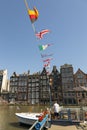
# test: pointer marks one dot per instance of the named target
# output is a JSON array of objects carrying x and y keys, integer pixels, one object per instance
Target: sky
[{"x": 67, "y": 20}]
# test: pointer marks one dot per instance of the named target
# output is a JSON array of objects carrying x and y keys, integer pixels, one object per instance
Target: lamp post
[
  {"x": 50, "y": 95},
  {"x": 50, "y": 84}
]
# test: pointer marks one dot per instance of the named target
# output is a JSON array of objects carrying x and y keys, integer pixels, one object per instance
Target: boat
[{"x": 28, "y": 118}]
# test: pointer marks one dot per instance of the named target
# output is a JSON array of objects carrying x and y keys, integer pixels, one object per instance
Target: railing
[
  {"x": 38, "y": 125},
  {"x": 41, "y": 124},
  {"x": 33, "y": 125},
  {"x": 66, "y": 115},
  {"x": 72, "y": 115}
]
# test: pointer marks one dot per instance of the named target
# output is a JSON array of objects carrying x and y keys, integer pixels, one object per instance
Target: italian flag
[{"x": 43, "y": 47}]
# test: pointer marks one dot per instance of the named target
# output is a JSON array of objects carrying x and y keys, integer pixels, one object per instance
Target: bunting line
[{"x": 33, "y": 15}]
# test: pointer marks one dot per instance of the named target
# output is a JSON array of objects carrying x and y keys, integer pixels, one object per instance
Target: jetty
[
  {"x": 70, "y": 120},
  {"x": 59, "y": 127}
]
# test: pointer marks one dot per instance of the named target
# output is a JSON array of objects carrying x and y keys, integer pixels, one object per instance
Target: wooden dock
[{"x": 62, "y": 127}]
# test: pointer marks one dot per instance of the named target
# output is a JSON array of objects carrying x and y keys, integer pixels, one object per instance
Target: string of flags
[{"x": 46, "y": 58}]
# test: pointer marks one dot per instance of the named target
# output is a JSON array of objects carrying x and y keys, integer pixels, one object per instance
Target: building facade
[
  {"x": 63, "y": 86},
  {"x": 3, "y": 81},
  {"x": 67, "y": 80},
  {"x": 4, "y": 85},
  {"x": 19, "y": 87},
  {"x": 56, "y": 86},
  {"x": 38, "y": 88},
  {"x": 33, "y": 89},
  {"x": 80, "y": 87}
]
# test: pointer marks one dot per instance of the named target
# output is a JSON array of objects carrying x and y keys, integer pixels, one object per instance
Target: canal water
[{"x": 8, "y": 120}]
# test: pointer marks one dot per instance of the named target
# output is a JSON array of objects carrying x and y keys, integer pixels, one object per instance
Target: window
[
  {"x": 83, "y": 95},
  {"x": 78, "y": 93}
]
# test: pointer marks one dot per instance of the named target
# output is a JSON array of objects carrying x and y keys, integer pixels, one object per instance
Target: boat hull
[{"x": 27, "y": 118}]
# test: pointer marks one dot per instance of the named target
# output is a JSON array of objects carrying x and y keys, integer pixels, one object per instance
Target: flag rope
[
  {"x": 39, "y": 35},
  {"x": 27, "y": 7},
  {"x": 26, "y": 4},
  {"x": 33, "y": 28}
]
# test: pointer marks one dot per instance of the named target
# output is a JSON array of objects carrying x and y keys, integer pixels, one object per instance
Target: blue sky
[{"x": 67, "y": 20}]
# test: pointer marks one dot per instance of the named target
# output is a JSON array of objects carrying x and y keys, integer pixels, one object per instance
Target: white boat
[{"x": 28, "y": 118}]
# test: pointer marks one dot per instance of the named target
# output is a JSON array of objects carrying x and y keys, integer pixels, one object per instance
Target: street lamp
[{"x": 50, "y": 84}]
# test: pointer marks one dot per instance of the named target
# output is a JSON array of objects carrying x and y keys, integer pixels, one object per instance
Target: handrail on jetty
[
  {"x": 39, "y": 124},
  {"x": 33, "y": 125}
]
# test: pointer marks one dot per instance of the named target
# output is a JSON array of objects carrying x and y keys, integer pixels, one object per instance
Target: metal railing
[{"x": 38, "y": 125}]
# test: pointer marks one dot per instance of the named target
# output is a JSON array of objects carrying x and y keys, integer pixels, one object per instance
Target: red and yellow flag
[{"x": 33, "y": 14}]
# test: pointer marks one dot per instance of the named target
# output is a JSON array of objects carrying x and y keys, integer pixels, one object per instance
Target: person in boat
[{"x": 56, "y": 109}]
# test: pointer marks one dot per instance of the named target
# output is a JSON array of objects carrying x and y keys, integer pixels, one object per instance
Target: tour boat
[{"x": 28, "y": 118}]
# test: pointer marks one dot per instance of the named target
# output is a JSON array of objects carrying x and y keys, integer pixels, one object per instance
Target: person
[
  {"x": 56, "y": 109},
  {"x": 48, "y": 122}
]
